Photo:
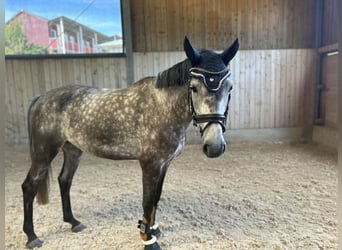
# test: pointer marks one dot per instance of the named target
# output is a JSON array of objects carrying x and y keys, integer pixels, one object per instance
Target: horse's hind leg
[
  {"x": 72, "y": 157},
  {"x": 36, "y": 182},
  {"x": 30, "y": 188}
]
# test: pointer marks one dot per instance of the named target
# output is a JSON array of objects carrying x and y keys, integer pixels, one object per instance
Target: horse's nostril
[
  {"x": 224, "y": 148},
  {"x": 205, "y": 148}
]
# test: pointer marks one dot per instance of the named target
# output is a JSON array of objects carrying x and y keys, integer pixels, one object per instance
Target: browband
[{"x": 211, "y": 79}]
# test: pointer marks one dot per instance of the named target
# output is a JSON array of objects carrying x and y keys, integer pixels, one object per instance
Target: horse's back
[{"x": 45, "y": 115}]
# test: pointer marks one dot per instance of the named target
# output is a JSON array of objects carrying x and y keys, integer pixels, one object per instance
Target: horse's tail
[
  {"x": 43, "y": 188},
  {"x": 43, "y": 173},
  {"x": 29, "y": 129}
]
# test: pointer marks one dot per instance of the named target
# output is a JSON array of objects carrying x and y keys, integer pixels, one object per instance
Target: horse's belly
[{"x": 127, "y": 150}]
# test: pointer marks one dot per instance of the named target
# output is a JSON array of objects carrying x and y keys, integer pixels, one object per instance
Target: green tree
[{"x": 16, "y": 41}]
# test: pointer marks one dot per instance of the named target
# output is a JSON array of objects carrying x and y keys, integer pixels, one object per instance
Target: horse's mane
[{"x": 176, "y": 75}]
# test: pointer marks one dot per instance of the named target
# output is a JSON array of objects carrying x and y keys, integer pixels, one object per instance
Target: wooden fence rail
[{"x": 273, "y": 88}]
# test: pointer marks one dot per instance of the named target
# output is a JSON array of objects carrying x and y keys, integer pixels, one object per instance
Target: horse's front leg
[
  {"x": 155, "y": 229},
  {"x": 153, "y": 176}
]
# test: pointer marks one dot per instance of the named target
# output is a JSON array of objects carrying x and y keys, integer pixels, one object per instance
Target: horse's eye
[{"x": 194, "y": 89}]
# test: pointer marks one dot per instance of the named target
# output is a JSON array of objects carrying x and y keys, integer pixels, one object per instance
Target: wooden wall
[
  {"x": 273, "y": 88},
  {"x": 26, "y": 79},
  {"x": 330, "y": 22},
  {"x": 214, "y": 24},
  {"x": 329, "y": 65},
  {"x": 274, "y": 70}
]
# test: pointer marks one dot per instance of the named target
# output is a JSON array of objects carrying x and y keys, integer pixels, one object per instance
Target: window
[
  {"x": 53, "y": 33},
  {"x": 34, "y": 27}
]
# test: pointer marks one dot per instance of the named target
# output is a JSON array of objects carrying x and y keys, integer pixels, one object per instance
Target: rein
[{"x": 213, "y": 82}]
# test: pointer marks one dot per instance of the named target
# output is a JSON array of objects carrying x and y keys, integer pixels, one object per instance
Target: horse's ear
[
  {"x": 229, "y": 53},
  {"x": 192, "y": 53}
]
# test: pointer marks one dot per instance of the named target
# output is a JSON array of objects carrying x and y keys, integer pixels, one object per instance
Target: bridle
[{"x": 213, "y": 82}]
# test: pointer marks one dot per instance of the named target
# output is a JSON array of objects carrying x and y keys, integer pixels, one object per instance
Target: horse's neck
[{"x": 179, "y": 104}]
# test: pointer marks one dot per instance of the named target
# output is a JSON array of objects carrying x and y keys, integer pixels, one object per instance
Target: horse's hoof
[
  {"x": 153, "y": 246},
  {"x": 157, "y": 232},
  {"x": 76, "y": 229},
  {"x": 34, "y": 243}
]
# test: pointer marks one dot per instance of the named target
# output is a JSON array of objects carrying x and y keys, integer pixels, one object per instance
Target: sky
[{"x": 102, "y": 15}]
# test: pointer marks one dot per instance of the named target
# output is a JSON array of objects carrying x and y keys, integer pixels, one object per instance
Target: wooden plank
[
  {"x": 162, "y": 26},
  {"x": 211, "y": 25},
  {"x": 88, "y": 73},
  {"x": 189, "y": 18},
  {"x": 106, "y": 75},
  {"x": 265, "y": 26},
  {"x": 234, "y": 105},
  {"x": 308, "y": 23},
  {"x": 113, "y": 73},
  {"x": 259, "y": 91},
  {"x": 100, "y": 72},
  {"x": 221, "y": 33},
  {"x": 139, "y": 25},
  {"x": 18, "y": 97},
  {"x": 172, "y": 16},
  {"x": 330, "y": 81},
  {"x": 52, "y": 70},
  {"x": 25, "y": 95},
  {"x": 296, "y": 86},
  {"x": 82, "y": 71},
  {"x": 282, "y": 89},
  {"x": 260, "y": 26},
  {"x": 274, "y": 23},
  {"x": 35, "y": 80},
  {"x": 59, "y": 79},
  {"x": 66, "y": 69},
  {"x": 330, "y": 22},
  {"x": 236, "y": 19},
  {"x": 271, "y": 68},
  {"x": 277, "y": 84},
  {"x": 252, "y": 87},
  {"x": 290, "y": 90},
  {"x": 27, "y": 82},
  {"x": 46, "y": 74},
  {"x": 328, "y": 48},
  {"x": 251, "y": 23},
  {"x": 241, "y": 92},
  {"x": 75, "y": 77},
  {"x": 264, "y": 91},
  {"x": 122, "y": 68},
  {"x": 151, "y": 29},
  {"x": 12, "y": 126},
  {"x": 229, "y": 21}
]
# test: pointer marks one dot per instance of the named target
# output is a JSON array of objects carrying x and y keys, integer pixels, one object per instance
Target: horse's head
[{"x": 209, "y": 94}]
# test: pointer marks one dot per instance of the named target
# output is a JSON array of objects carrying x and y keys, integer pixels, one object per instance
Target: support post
[
  {"x": 339, "y": 145},
  {"x": 127, "y": 38},
  {"x": 81, "y": 39},
  {"x": 318, "y": 119},
  {"x": 61, "y": 23}
]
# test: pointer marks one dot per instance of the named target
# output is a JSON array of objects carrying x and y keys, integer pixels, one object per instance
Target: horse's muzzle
[
  {"x": 213, "y": 141},
  {"x": 213, "y": 152}
]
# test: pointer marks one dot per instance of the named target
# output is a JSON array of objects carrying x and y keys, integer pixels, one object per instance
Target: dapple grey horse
[{"x": 146, "y": 122}]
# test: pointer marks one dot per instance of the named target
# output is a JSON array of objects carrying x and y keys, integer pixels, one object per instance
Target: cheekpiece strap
[{"x": 212, "y": 80}]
